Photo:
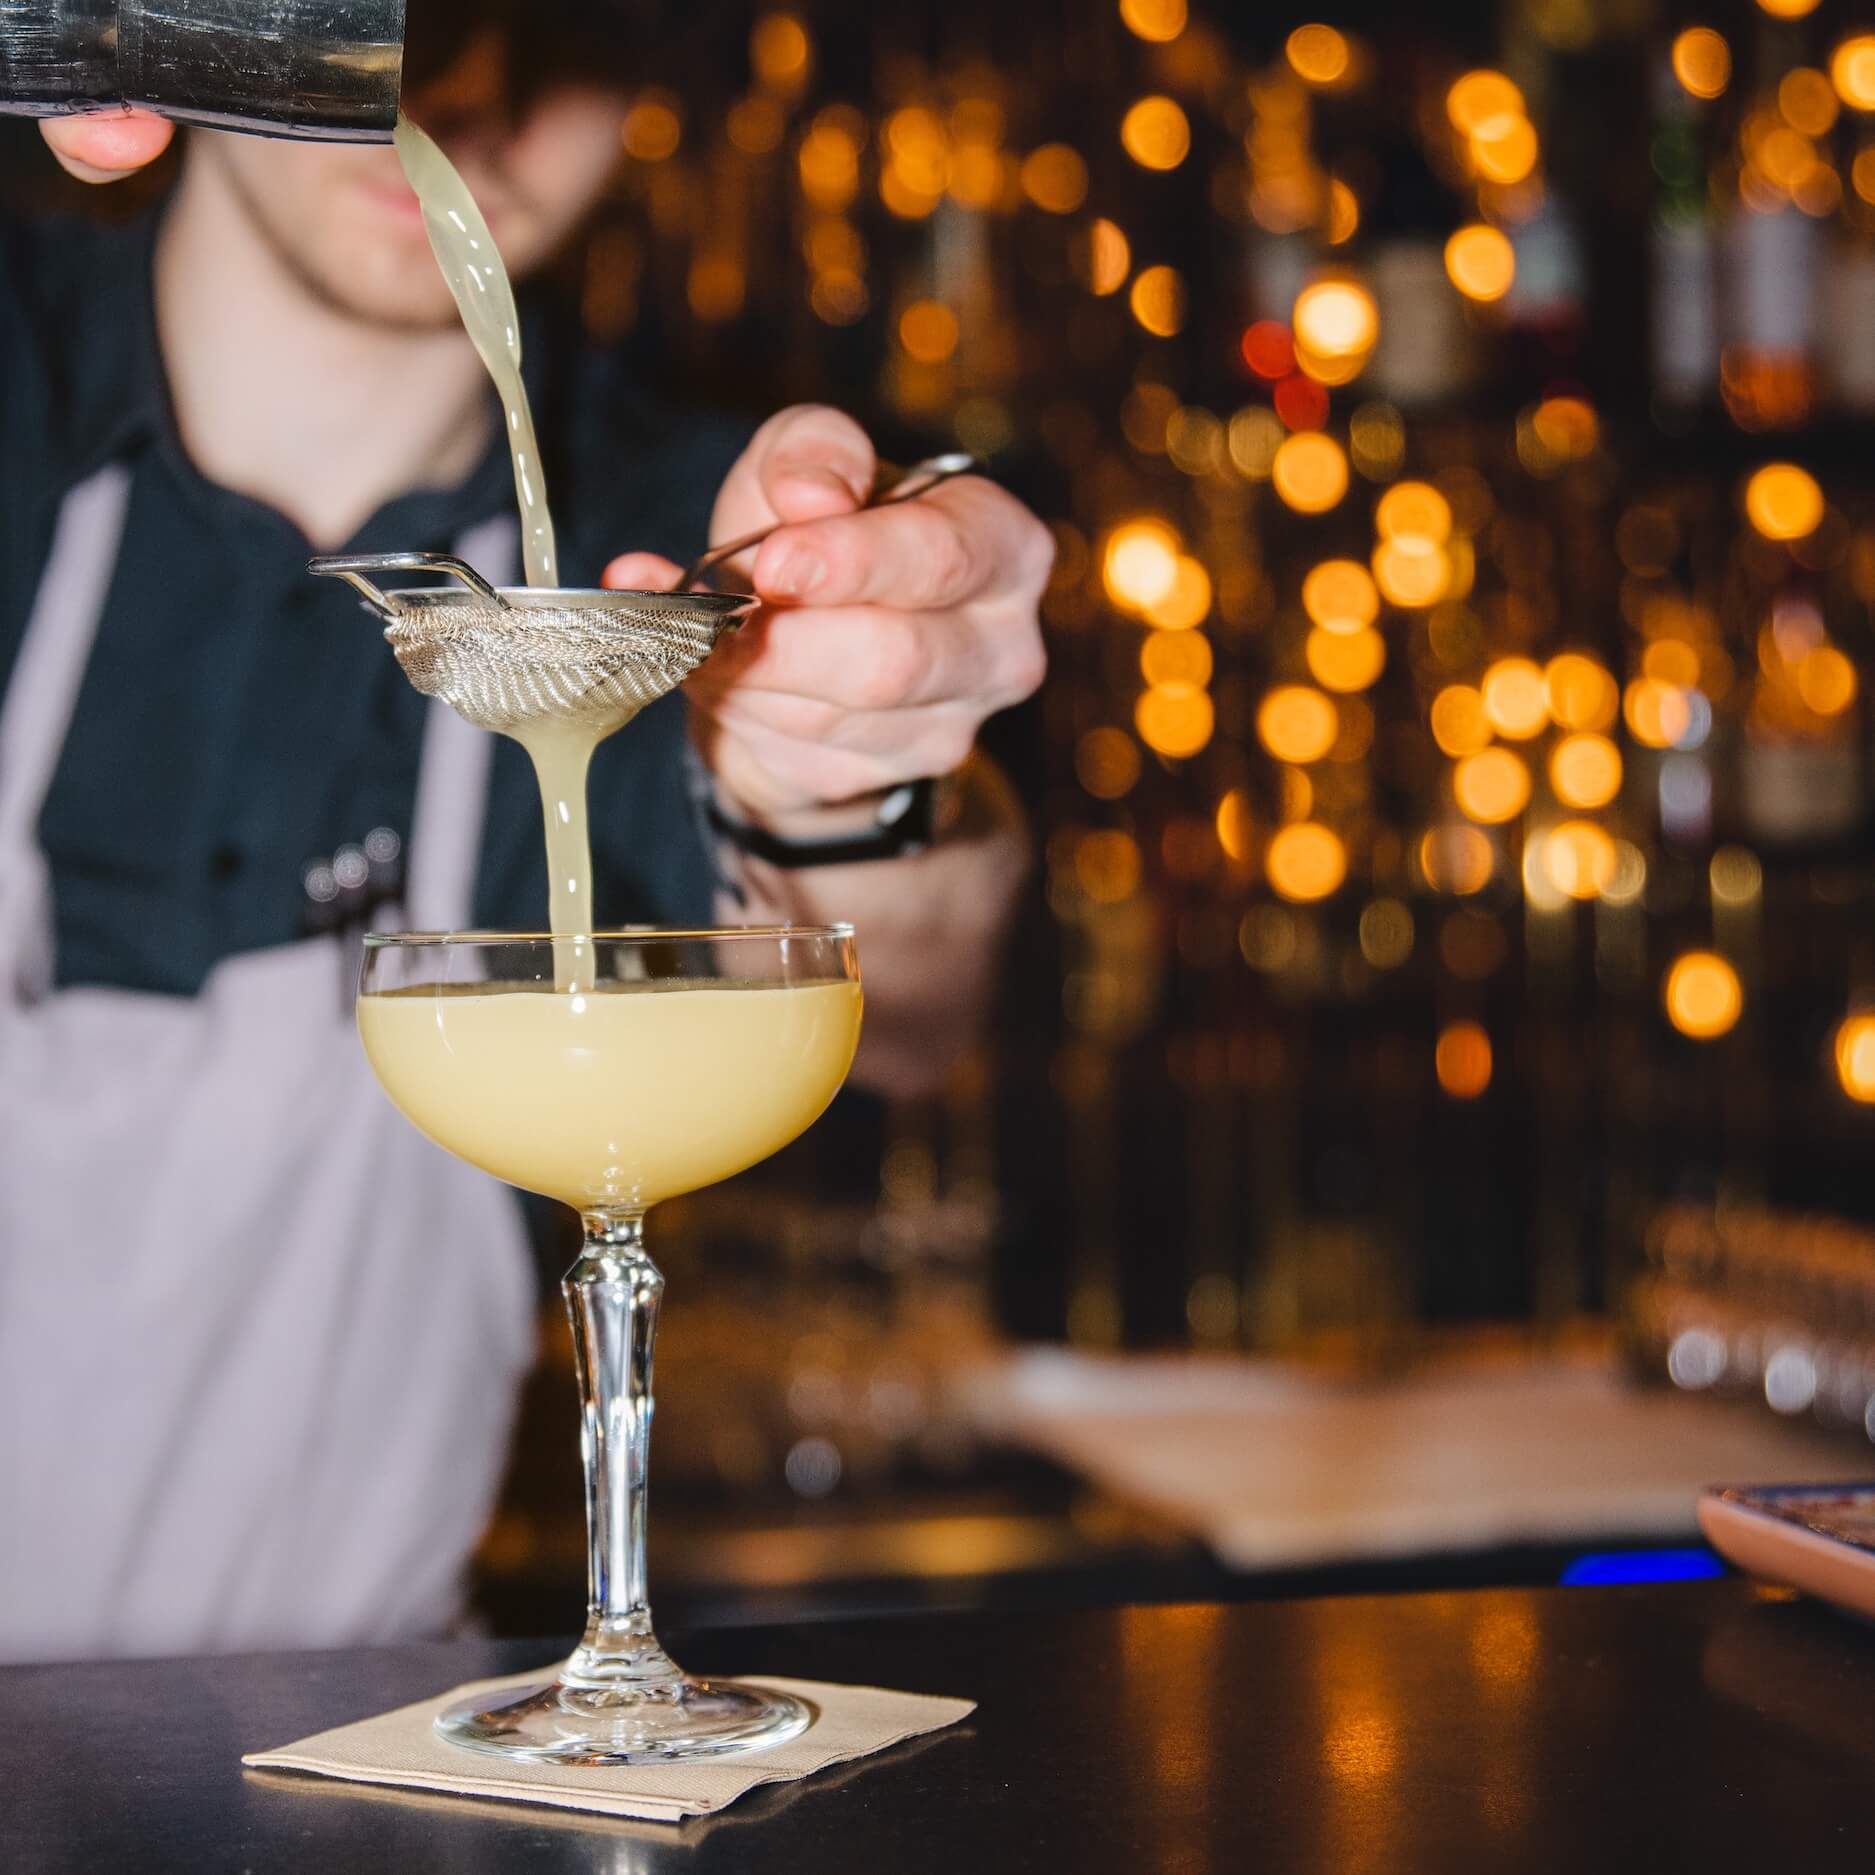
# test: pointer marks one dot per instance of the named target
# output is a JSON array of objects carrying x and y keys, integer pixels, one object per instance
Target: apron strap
[
  {"x": 50, "y": 668},
  {"x": 452, "y": 779}
]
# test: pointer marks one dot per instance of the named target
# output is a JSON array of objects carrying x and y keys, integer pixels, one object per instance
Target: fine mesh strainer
[{"x": 510, "y": 656}]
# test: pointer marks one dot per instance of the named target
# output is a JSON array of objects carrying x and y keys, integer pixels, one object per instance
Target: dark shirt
[{"x": 240, "y": 719}]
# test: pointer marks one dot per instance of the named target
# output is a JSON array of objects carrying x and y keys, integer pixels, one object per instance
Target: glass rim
[{"x": 631, "y": 934}]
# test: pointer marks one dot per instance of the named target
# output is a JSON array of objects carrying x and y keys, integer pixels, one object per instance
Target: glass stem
[{"x": 612, "y": 1294}]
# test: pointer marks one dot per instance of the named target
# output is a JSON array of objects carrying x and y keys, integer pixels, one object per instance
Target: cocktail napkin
[{"x": 401, "y": 1748}]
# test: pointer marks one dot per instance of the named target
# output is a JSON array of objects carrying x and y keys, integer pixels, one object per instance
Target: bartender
[{"x": 259, "y": 1341}]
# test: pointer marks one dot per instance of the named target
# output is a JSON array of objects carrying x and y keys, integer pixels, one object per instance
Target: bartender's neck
[{"x": 284, "y": 398}]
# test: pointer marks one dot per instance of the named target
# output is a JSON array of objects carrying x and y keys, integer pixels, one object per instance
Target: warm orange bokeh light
[
  {"x": 1580, "y": 692},
  {"x": 1852, "y": 71},
  {"x": 1579, "y": 858},
  {"x": 1784, "y": 502},
  {"x": 1826, "y": 680},
  {"x": 1480, "y": 262},
  {"x": 1106, "y": 763},
  {"x": 1789, "y": 9},
  {"x": 1160, "y": 21},
  {"x": 1236, "y": 826},
  {"x": 1106, "y": 865},
  {"x": 1297, "y": 724},
  {"x": 1345, "y": 661},
  {"x": 1413, "y": 511},
  {"x": 1412, "y": 572},
  {"x": 1459, "y": 724},
  {"x": 1305, "y": 861},
  {"x": 1175, "y": 720},
  {"x": 1318, "y": 55},
  {"x": 1141, "y": 564},
  {"x": 1109, "y": 257},
  {"x": 1703, "y": 995},
  {"x": 1176, "y": 657},
  {"x": 1657, "y": 714},
  {"x": 1462, "y": 1060},
  {"x": 1702, "y": 61},
  {"x": 928, "y": 330},
  {"x": 1455, "y": 858},
  {"x": 1492, "y": 786},
  {"x": 1504, "y": 149},
  {"x": 1054, "y": 178},
  {"x": 1156, "y": 134},
  {"x": 1585, "y": 770},
  {"x": 1340, "y": 596},
  {"x": 1855, "y": 1058},
  {"x": 1478, "y": 97},
  {"x": 1515, "y": 702},
  {"x": 1335, "y": 323},
  {"x": 1310, "y": 472},
  {"x": 1158, "y": 301},
  {"x": 1186, "y": 602}
]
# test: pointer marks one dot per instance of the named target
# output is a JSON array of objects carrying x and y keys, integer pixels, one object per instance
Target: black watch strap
[{"x": 906, "y": 824}]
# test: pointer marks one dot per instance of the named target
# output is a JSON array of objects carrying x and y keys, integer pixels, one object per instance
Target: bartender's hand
[
  {"x": 106, "y": 146},
  {"x": 887, "y": 637}
]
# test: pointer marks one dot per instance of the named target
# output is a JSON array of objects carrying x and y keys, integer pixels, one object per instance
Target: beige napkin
[{"x": 401, "y": 1748}]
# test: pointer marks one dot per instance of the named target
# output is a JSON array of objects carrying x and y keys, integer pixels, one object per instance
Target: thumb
[
  {"x": 641, "y": 572},
  {"x": 106, "y": 146}
]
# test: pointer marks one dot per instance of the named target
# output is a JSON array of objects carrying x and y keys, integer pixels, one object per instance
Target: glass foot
[{"x": 668, "y": 1722}]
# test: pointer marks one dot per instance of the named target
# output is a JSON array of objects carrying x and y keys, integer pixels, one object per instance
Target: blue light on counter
[{"x": 1614, "y": 1568}]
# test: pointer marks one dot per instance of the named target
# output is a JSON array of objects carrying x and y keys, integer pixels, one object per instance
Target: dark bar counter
[{"x": 1698, "y": 1727}]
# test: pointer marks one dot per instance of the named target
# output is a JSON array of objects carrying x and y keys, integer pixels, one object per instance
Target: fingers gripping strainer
[{"x": 508, "y": 657}]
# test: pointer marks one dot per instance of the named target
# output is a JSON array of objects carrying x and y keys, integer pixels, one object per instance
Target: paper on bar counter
[
  {"x": 401, "y": 1748},
  {"x": 1273, "y": 1465}
]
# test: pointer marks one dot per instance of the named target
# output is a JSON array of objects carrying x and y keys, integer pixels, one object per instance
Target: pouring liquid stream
[{"x": 560, "y": 751}]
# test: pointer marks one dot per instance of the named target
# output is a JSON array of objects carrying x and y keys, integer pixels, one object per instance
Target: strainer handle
[
  {"x": 354, "y": 568},
  {"x": 892, "y": 485}
]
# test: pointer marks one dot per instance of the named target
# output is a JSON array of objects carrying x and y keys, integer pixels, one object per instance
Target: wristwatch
[{"x": 906, "y": 823}]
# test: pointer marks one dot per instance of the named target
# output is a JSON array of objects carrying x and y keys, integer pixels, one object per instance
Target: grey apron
[{"x": 259, "y": 1340}]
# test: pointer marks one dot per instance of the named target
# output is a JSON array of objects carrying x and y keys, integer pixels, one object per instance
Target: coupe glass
[{"x": 671, "y": 1059}]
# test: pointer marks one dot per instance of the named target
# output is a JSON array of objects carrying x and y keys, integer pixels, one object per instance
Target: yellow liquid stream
[
  {"x": 473, "y": 268},
  {"x": 616, "y": 1097}
]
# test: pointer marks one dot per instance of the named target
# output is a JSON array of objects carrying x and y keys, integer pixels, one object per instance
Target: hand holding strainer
[{"x": 509, "y": 656}]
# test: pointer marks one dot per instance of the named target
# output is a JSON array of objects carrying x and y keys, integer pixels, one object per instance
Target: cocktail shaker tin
[{"x": 329, "y": 69}]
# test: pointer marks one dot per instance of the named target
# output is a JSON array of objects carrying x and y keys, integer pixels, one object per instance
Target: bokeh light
[
  {"x": 1054, "y": 178},
  {"x": 1580, "y": 692},
  {"x": 1789, "y": 9},
  {"x": 1459, "y": 724},
  {"x": 1492, "y": 786},
  {"x": 1478, "y": 97},
  {"x": 1297, "y": 724},
  {"x": 927, "y": 329},
  {"x": 1156, "y": 134},
  {"x": 1305, "y": 862},
  {"x": 1160, "y": 21},
  {"x": 1504, "y": 149},
  {"x": 1109, "y": 257},
  {"x": 1106, "y": 763},
  {"x": 1462, "y": 1060},
  {"x": 1158, "y": 301},
  {"x": 1480, "y": 262},
  {"x": 1336, "y": 324},
  {"x": 1456, "y": 858},
  {"x": 1657, "y": 714},
  {"x": 1852, "y": 71},
  {"x": 1784, "y": 502},
  {"x": 1413, "y": 511},
  {"x": 652, "y": 129},
  {"x": 1310, "y": 472},
  {"x": 1236, "y": 825},
  {"x": 1578, "y": 858},
  {"x": 1175, "y": 720},
  {"x": 1585, "y": 770},
  {"x": 1318, "y": 55},
  {"x": 1703, "y": 995},
  {"x": 1386, "y": 933},
  {"x": 1413, "y": 572},
  {"x": 1345, "y": 661},
  {"x": 1826, "y": 680},
  {"x": 1855, "y": 1058},
  {"x": 1340, "y": 596},
  {"x": 1175, "y": 657},
  {"x": 1106, "y": 865},
  {"x": 1515, "y": 701},
  {"x": 1702, "y": 61},
  {"x": 1141, "y": 563}
]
